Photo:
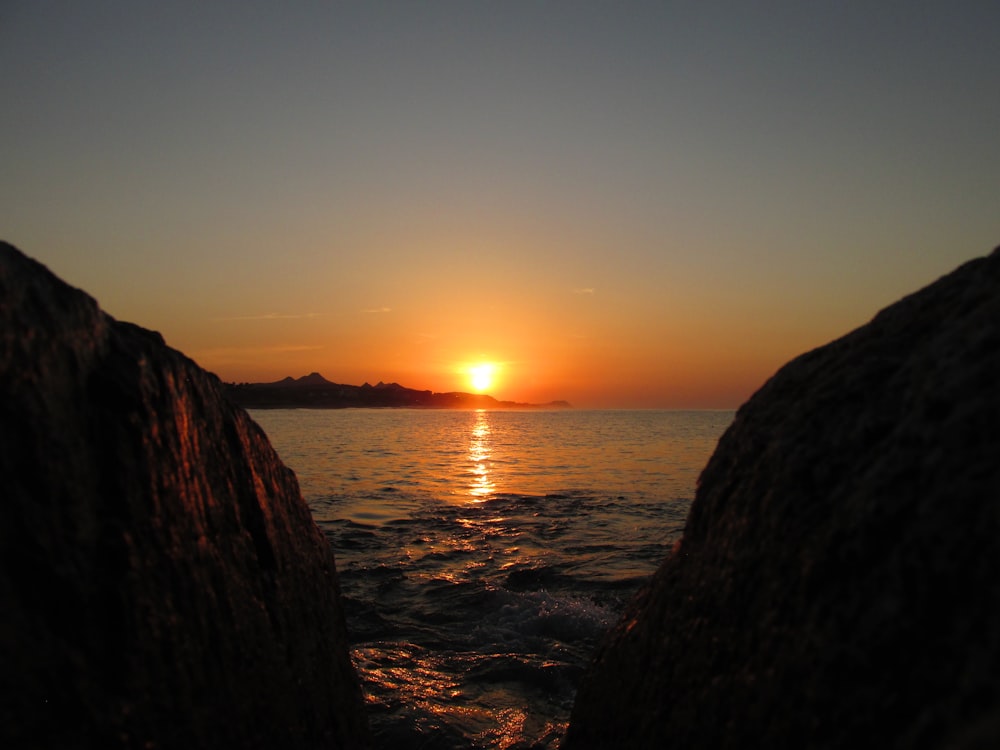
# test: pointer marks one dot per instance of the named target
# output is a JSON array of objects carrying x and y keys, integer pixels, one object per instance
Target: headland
[{"x": 313, "y": 391}]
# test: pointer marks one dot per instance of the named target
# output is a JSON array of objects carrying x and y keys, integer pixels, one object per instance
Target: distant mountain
[
  {"x": 313, "y": 391},
  {"x": 313, "y": 378}
]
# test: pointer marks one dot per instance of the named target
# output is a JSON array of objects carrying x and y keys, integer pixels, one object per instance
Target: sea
[{"x": 482, "y": 554}]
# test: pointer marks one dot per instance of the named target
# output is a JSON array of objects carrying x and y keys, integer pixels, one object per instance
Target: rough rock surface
[
  {"x": 838, "y": 582},
  {"x": 162, "y": 582}
]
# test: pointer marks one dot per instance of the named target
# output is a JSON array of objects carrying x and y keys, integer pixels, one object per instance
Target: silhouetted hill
[
  {"x": 313, "y": 378},
  {"x": 313, "y": 391}
]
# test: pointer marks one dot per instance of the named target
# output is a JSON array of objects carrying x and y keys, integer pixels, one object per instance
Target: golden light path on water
[
  {"x": 482, "y": 553},
  {"x": 480, "y": 452},
  {"x": 419, "y": 676}
]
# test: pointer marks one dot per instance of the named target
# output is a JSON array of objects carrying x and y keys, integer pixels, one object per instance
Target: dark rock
[
  {"x": 162, "y": 584},
  {"x": 838, "y": 583}
]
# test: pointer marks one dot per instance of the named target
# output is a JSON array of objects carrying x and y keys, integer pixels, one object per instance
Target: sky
[{"x": 617, "y": 204}]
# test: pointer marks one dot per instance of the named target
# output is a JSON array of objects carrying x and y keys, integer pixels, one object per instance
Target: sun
[{"x": 481, "y": 376}]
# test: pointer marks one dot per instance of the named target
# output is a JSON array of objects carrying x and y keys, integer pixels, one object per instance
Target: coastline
[{"x": 316, "y": 392}]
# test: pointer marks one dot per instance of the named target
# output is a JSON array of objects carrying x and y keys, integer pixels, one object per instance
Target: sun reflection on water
[
  {"x": 482, "y": 553},
  {"x": 481, "y": 484}
]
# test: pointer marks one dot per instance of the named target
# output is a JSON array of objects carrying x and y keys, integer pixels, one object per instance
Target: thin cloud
[
  {"x": 378, "y": 310},
  {"x": 296, "y": 348},
  {"x": 235, "y": 351},
  {"x": 273, "y": 316},
  {"x": 584, "y": 290}
]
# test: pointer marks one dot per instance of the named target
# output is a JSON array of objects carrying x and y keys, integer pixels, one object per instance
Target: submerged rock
[
  {"x": 162, "y": 582},
  {"x": 838, "y": 583}
]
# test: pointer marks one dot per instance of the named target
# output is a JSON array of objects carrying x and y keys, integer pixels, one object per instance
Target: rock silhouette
[
  {"x": 162, "y": 582},
  {"x": 838, "y": 582}
]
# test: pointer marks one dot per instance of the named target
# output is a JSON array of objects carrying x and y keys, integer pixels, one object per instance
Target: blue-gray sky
[{"x": 616, "y": 203}]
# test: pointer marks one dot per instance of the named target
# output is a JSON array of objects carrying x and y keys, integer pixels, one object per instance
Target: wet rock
[
  {"x": 838, "y": 583},
  {"x": 162, "y": 582}
]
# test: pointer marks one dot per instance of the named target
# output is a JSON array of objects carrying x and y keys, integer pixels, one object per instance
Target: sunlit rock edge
[{"x": 162, "y": 581}]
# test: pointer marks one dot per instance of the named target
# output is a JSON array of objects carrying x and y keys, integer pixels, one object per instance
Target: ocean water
[{"x": 483, "y": 553}]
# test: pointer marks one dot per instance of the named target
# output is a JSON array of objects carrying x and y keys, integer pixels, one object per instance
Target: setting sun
[{"x": 481, "y": 376}]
